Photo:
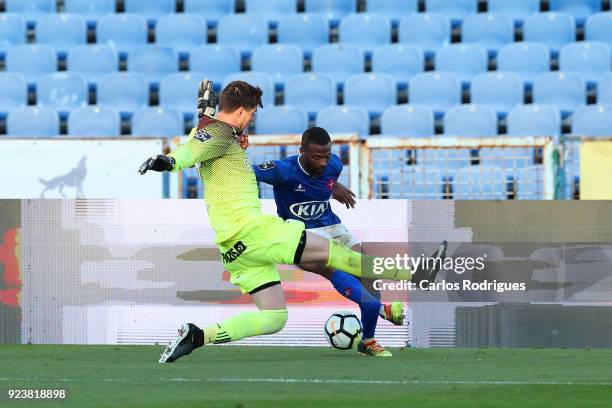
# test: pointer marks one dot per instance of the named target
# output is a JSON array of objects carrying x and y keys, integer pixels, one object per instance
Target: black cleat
[
  {"x": 184, "y": 344},
  {"x": 429, "y": 275}
]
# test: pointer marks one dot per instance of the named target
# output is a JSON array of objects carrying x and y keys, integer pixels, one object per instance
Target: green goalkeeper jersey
[{"x": 230, "y": 187}]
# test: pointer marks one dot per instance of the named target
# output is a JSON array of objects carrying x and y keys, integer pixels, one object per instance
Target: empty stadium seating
[
  {"x": 551, "y": 29},
  {"x": 182, "y": 32},
  {"x": 93, "y": 61},
  {"x": 308, "y": 31},
  {"x": 260, "y": 79},
  {"x": 344, "y": 119},
  {"x": 13, "y": 92},
  {"x": 599, "y": 28},
  {"x": 590, "y": 60},
  {"x": 464, "y": 60},
  {"x": 279, "y": 60},
  {"x": 215, "y": 61},
  {"x": 153, "y": 62},
  {"x": 61, "y": 31},
  {"x": 244, "y": 32},
  {"x": 179, "y": 91},
  {"x": 12, "y": 31},
  {"x": 271, "y": 11},
  {"x": 435, "y": 90},
  {"x": 366, "y": 31},
  {"x": 333, "y": 10},
  {"x": 427, "y": 30},
  {"x": 94, "y": 121},
  {"x": 392, "y": 9},
  {"x": 564, "y": 90},
  {"x": 32, "y": 61},
  {"x": 407, "y": 121},
  {"x": 534, "y": 120},
  {"x": 33, "y": 121},
  {"x": 90, "y": 10},
  {"x": 402, "y": 61},
  {"x": 281, "y": 120},
  {"x": 518, "y": 10},
  {"x": 124, "y": 31},
  {"x": 593, "y": 121},
  {"x": 490, "y": 30},
  {"x": 338, "y": 60},
  {"x": 125, "y": 91},
  {"x": 212, "y": 10},
  {"x": 604, "y": 90},
  {"x": 527, "y": 59},
  {"x": 157, "y": 122},
  {"x": 62, "y": 91},
  {"x": 499, "y": 90},
  {"x": 311, "y": 92},
  {"x": 373, "y": 92}
]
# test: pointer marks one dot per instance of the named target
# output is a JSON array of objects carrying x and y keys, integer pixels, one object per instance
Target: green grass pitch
[{"x": 244, "y": 377}]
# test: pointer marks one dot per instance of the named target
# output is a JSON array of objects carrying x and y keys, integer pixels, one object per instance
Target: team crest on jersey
[
  {"x": 202, "y": 136},
  {"x": 267, "y": 165},
  {"x": 331, "y": 183}
]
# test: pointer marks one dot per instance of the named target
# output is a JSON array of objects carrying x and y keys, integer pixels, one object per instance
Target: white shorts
[{"x": 338, "y": 233}]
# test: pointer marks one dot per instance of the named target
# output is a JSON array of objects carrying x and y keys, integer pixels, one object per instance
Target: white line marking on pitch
[{"x": 308, "y": 381}]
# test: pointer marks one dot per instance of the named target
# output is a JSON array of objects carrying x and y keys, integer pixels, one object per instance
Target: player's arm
[
  {"x": 268, "y": 172},
  {"x": 343, "y": 195},
  {"x": 200, "y": 147}
]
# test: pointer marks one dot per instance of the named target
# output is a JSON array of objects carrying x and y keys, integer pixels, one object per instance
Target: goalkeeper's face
[
  {"x": 315, "y": 158},
  {"x": 244, "y": 118}
]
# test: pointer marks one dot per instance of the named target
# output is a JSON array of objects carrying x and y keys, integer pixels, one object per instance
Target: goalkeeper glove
[
  {"x": 157, "y": 163},
  {"x": 207, "y": 99}
]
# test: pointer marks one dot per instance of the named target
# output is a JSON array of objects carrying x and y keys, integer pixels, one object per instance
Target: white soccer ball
[{"x": 343, "y": 330}]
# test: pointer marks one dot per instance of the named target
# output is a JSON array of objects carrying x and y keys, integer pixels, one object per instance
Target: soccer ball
[{"x": 343, "y": 330}]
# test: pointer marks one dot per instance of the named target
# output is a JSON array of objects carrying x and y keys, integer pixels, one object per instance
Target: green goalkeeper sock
[
  {"x": 345, "y": 259},
  {"x": 246, "y": 324}
]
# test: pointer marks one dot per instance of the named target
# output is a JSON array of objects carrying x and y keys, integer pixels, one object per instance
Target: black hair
[{"x": 315, "y": 135}]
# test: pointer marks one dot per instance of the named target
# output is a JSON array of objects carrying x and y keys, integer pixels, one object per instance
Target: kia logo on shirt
[{"x": 310, "y": 210}]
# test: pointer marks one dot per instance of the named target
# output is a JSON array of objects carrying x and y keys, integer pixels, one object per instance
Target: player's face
[
  {"x": 245, "y": 116},
  {"x": 316, "y": 158}
]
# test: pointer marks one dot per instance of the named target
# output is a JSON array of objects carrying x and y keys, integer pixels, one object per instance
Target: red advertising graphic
[{"x": 9, "y": 258}]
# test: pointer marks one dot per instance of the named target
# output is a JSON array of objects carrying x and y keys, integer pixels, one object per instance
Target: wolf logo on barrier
[{"x": 74, "y": 178}]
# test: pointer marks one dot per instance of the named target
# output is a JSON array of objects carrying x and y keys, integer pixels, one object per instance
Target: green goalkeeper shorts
[{"x": 263, "y": 242}]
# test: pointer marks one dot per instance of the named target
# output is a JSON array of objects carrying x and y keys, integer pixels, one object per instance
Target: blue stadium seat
[
  {"x": 534, "y": 120},
  {"x": 90, "y": 10},
  {"x": 154, "y": 62},
  {"x": 564, "y": 90},
  {"x": 526, "y": 59},
  {"x": 604, "y": 90},
  {"x": 125, "y": 91},
  {"x": 180, "y": 31},
  {"x": 499, "y": 90},
  {"x": 406, "y": 182},
  {"x": 272, "y": 11},
  {"x": 401, "y": 61},
  {"x": 427, "y": 30},
  {"x": 13, "y": 92},
  {"x": 490, "y": 30},
  {"x": 311, "y": 92},
  {"x": 590, "y": 60},
  {"x": 392, "y": 9},
  {"x": 279, "y": 120},
  {"x": 32, "y": 121},
  {"x": 243, "y": 32},
  {"x": 151, "y": 10},
  {"x": 367, "y": 31},
  {"x": 456, "y": 10},
  {"x": 279, "y": 60},
  {"x": 125, "y": 31},
  {"x": 407, "y": 121},
  {"x": 179, "y": 91},
  {"x": 211, "y": 10},
  {"x": 62, "y": 91},
  {"x": 30, "y": 9},
  {"x": 61, "y": 31},
  {"x": 94, "y": 121},
  {"x": 308, "y": 31},
  {"x": 93, "y": 61},
  {"x": 157, "y": 122},
  {"x": 554, "y": 30},
  {"x": 470, "y": 121},
  {"x": 435, "y": 90},
  {"x": 518, "y": 10},
  {"x": 260, "y": 79},
  {"x": 599, "y": 28},
  {"x": 593, "y": 121},
  {"x": 374, "y": 92},
  {"x": 333, "y": 10},
  {"x": 215, "y": 61},
  {"x": 31, "y": 60},
  {"x": 482, "y": 182},
  {"x": 12, "y": 31},
  {"x": 344, "y": 119},
  {"x": 579, "y": 9},
  {"x": 338, "y": 60},
  {"x": 464, "y": 60}
]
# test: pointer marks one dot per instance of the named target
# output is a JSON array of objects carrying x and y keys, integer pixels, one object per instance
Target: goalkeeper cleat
[
  {"x": 429, "y": 271},
  {"x": 372, "y": 348},
  {"x": 189, "y": 338},
  {"x": 394, "y": 313}
]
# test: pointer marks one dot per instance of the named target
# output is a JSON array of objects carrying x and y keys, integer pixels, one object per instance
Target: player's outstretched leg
[
  {"x": 430, "y": 270},
  {"x": 189, "y": 338}
]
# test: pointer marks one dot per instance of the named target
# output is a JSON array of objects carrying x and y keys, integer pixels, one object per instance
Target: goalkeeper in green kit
[{"x": 251, "y": 243}]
